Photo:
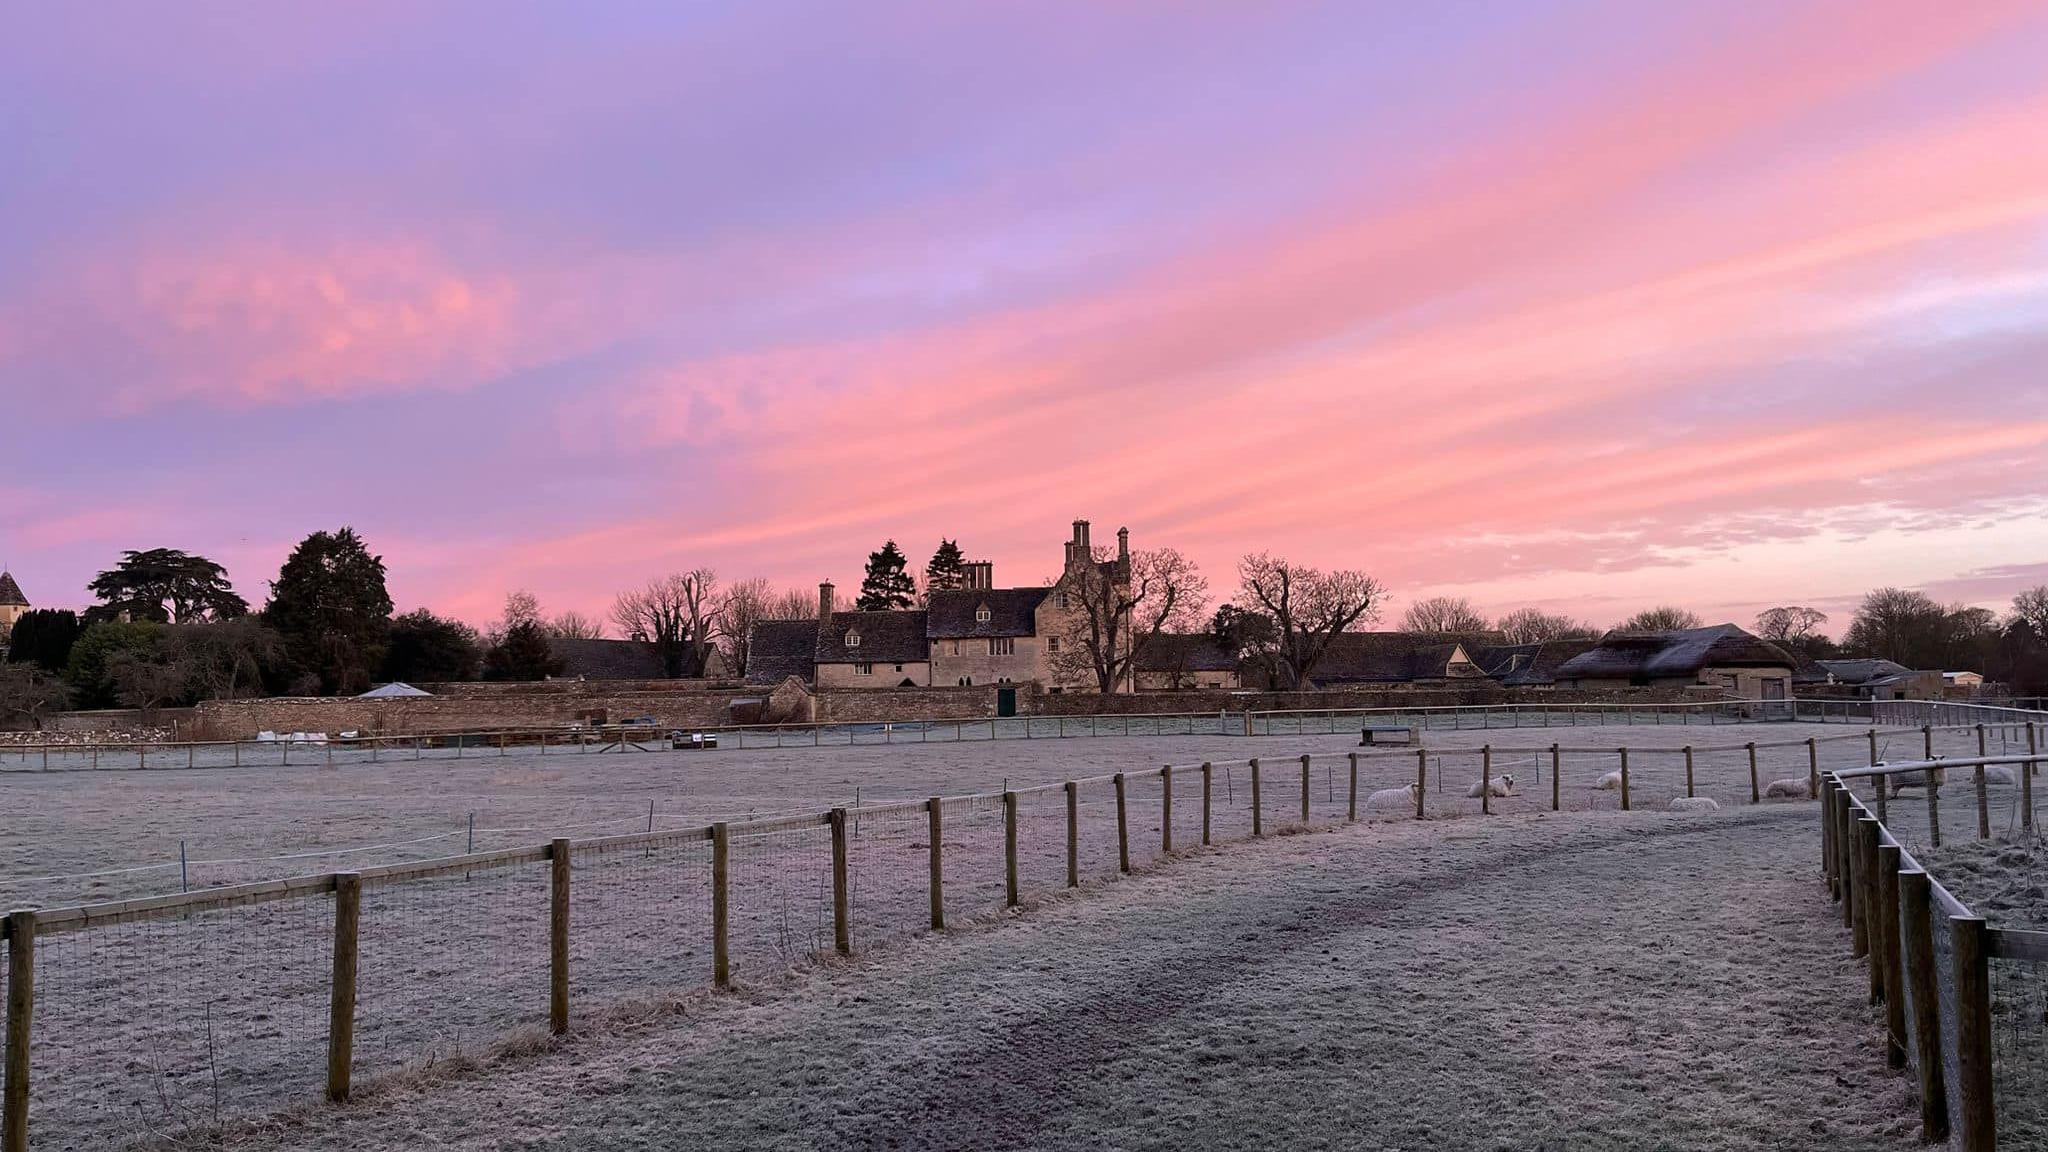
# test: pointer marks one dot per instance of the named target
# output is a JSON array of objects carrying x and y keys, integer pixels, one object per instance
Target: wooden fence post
[
  {"x": 1010, "y": 895},
  {"x": 1927, "y": 741},
  {"x": 1556, "y": 772},
  {"x": 558, "y": 936},
  {"x": 1894, "y": 966},
  {"x": 1258, "y": 827},
  {"x": 1485, "y": 779},
  {"x": 1304, "y": 789},
  {"x": 2027, "y": 771},
  {"x": 1205, "y": 803},
  {"x": 1873, "y": 745},
  {"x": 1812, "y": 769},
  {"x": 1073, "y": 791},
  {"x": 1166, "y": 810},
  {"x": 1624, "y": 778},
  {"x": 1351, "y": 804},
  {"x": 842, "y": 924},
  {"x": 1859, "y": 881},
  {"x": 21, "y": 1002},
  {"x": 935, "y": 823},
  {"x": 1933, "y": 782},
  {"x": 1123, "y": 827},
  {"x": 1421, "y": 779},
  {"x": 1755, "y": 795},
  {"x": 1983, "y": 793},
  {"x": 1827, "y": 837},
  {"x": 1916, "y": 932},
  {"x": 1845, "y": 821},
  {"x": 1873, "y": 916},
  {"x": 1688, "y": 770},
  {"x": 721, "y": 905},
  {"x": 341, "y": 999},
  {"x": 1973, "y": 1035}
]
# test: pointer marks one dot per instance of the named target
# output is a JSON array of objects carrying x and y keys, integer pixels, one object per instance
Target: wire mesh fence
[
  {"x": 188, "y": 1012},
  {"x": 2019, "y": 1051},
  {"x": 163, "y": 1026}
]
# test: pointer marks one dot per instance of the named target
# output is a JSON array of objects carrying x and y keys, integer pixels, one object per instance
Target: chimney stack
[
  {"x": 1123, "y": 544},
  {"x": 981, "y": 575},
  {"x": 825, "y": 603}
]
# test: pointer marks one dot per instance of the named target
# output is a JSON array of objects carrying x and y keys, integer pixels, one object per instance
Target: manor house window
[
  {"x": 1002, "y": 646},
  {"x": 866, "y": 669}
]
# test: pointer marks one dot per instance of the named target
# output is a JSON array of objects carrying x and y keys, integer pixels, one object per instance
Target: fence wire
[
  {"x": 450, "y": 964},
  {"x": 888, "y": 868},
  {"x": 159, "y": 1027},
  {"x": 639, "y": 920},
  {"x": 780, "y": 884}
]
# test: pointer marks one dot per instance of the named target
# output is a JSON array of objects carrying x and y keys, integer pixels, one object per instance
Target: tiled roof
[
  {"x": 1011, "y": 612},
  {"x": 885, "y": 638},
  {"x": 1185, "y": 652},
  {"x": 781, "y": 649},
  {"x": 607, "y": 659},
  {"x": 1863, "y": 671},
  {"x": 1395, "y": 657},
  {"x": 1664, "y": 655},
  {"x": 10, "y": 592}
]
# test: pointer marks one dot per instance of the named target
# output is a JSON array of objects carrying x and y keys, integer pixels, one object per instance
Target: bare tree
[
  {"x": 1308, "y": 607},
  {"x": 1444, "y": 614},
  {"x": 746, "y": 604},
  {"x": 1789, "y": 624},
  {"x": 573, "y": 625},
  {"x": 793, "y": 604},
  {"x": 224, "y": 660},
  {"x": 2031, "y": 608},
  {"x": 1113, "y": 622},
  {"x": 674, "y": 614},
  {"x": 1534, "y": 626},
  {"x": 28, "y": 693},
  {"x": 1663, "y": 618}
]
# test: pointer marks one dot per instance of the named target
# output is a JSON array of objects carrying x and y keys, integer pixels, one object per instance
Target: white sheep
[
  {"x": 1695, "y": 804},
  {"x": 1402, "y": 797},
  {"x": 2000, "y": 774},
  {"x": 1496, "y": 786},
  {"x": 1792, "y": 787},
  {"x": 1608, "y": 783},
  {"x": 1900, "y": 781}
]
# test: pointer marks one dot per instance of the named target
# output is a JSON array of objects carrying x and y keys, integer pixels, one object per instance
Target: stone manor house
[{"x": 979, "y": 634}]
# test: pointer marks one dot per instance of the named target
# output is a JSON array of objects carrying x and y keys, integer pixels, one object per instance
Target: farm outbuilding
[{"x": 1723, "y": 656}]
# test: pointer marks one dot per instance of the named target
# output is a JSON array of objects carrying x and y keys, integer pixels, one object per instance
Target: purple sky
[{"x": 1586, "y": 305}]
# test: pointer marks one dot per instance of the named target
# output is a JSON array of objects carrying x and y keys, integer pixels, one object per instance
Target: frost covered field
[
  {"x": 1586, "y": 981},
  {"x": 171, "y": 1025}
]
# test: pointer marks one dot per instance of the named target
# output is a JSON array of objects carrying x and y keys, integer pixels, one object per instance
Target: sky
[{"x": 1582, "y": 305}]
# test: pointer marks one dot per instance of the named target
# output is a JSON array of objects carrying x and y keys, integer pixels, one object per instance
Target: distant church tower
[{"x": 12, "y": 603}]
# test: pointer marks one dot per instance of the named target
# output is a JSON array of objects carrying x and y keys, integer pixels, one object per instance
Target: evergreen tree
[
  {"x": 167, "y": 586},
  {"x": 522, "y": 652},
  {"x": 102, "y": 650},
  {"x": 44, "y": 638},
  {"x": 330, "y": 605},
  {"x": 888, "y": 586},
  {"x": 427, "y": 649},
  {"x": 948, "y": 570}
]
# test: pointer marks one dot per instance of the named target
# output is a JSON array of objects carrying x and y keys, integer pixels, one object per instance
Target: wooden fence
[
  {"x": 1193, "y": 805},
  {"x": 1928, "y": 955}
]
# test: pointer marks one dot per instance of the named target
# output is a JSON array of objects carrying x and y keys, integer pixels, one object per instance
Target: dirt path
[{"x": 1585, "y": 981}]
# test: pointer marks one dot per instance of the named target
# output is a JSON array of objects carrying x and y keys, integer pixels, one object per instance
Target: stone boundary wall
[{"x": 565, "y": 702}]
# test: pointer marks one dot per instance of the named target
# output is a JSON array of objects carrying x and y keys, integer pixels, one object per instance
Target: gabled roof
[
  {"x": 1676, "y": 654},
  {"x": 885, "y": 638},
  {"x": 781, "y": 649},
  {"x": 1011, "y": 612},
  {"x": 1398, "y": 657},
  {"x": 1185, "y": 652},
  {"x": 10, "y": 592},
  {"x": 608, "y": 659}
]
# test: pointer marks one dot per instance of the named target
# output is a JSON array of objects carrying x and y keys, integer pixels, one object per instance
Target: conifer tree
[{"x": 887, "y": 586}]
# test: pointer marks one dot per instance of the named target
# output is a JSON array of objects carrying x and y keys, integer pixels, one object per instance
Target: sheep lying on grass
[
  {"x": 1695, "y": 804},
  {"x": 1608, "y": 783},
  {"x": 1495, "y": 786},
  {"x": 1402, "y": 797},
  {"x": 2000, "y": 774},
  {"x": 1900, "y": 781},
  {"x": 1791, "y": 787}
]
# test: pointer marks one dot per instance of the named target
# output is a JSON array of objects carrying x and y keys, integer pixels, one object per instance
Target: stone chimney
[
  {"x": 981, "y": 575},
  {"x": 1078, "y": 549},
  {"x": 1123, "y": 544},
  {"x": 824, "y": 603}
]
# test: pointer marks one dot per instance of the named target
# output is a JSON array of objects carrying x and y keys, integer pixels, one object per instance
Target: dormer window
[
  {"x": 852, "y": 639},
  {"x": 981, "y": 615}
]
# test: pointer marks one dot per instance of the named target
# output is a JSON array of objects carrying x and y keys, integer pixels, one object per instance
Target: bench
[{"x": 1386, "y": 734}]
